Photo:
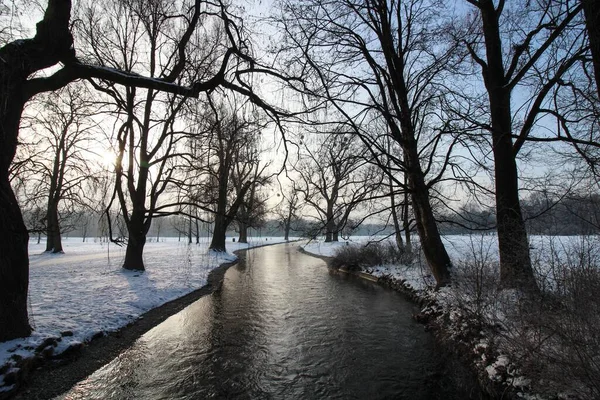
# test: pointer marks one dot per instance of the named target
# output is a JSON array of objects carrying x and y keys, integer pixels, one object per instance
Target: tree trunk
[
  {"x": 218, "y": 239},
  {"x": 54, "y": 240},
  {"x": 405, "y": 220},
  {"x": 397, "y": 230},
  {"x": 287, "y": 230},
  {"x": 330, "y": 227},
  {"x": 431, "y": 240},
  {"x": 14, "y": 258},
  {"x": 243, "y": 232},
  {"x": 197, "y": 232},
  {"x": 405, "y": 135},
  {"x": 189, "y": 230},
  {"x": 591, "y": 9},
  {"x": 515, "y": 262},
  {"x": 14, "y": 266},
  {"x": 134, "y": 259}
]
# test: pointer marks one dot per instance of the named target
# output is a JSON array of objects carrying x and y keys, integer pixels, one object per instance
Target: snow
[
  {"x": 461, "y": 248},
  {"x": 84, "y": 291},
  {"x": 497, "y": 367},
  {"x": 329, "y": 249}
]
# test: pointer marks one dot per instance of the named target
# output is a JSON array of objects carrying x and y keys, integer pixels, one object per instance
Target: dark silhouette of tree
[
  {"x": 61, "y": 168},
  {"x": 591, "y": 9},
  {"x": 382, "y": 60},
  {"x": 53, "y": 45},
  {"x": 145, "y": 120},
  {"x": 288, "y": 211},
  {"x": 503, "y": 69},
  {"x": 230, "y": 166},
  {"x": 253, "y": 210},
  {"x": 335, "y": 179}
]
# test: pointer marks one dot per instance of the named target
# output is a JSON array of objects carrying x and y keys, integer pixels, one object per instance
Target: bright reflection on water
[{"x": 282, "y": 327}]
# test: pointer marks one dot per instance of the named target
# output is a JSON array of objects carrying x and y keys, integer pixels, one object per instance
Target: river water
[{"x": 282, "y": 327}]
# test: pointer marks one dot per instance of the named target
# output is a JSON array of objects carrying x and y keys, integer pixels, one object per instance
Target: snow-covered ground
[
  {"x": 465, "y": 248},
  {"x": 85, "y": 291}
]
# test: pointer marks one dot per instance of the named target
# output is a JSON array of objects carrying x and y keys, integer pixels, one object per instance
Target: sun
[{"x": 107, "y": 158}]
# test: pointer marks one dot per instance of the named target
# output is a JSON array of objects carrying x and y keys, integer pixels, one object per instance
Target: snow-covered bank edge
[
  {"x": 31, "y": 368},
  {"x": 464, "y": 339}
]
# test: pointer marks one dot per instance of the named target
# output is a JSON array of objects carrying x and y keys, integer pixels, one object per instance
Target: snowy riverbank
[
  {"x": 520, "y": 349},
  {"x": 84, "y": 292}
]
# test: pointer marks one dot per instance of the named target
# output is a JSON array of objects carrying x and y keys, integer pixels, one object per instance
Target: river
[{"x": 282, "y": 327}]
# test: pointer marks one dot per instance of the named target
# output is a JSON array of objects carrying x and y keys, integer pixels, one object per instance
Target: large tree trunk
[
  {"x": 14, "y": 258},
  {"x": 287, "y": 230},
  {"x": 397, "y": 230},
  {"x": 591, "y": 9},
  {"x": 405, "y": 135},
  {"x": 515, "y": 262},
  {"x": 431, "y": 240},
  {"x": 405, "y": 219},
  {"x": 330, "y": 226},
  {"x": 14, "y": 266},
  {"x": 54, "y": 240},
  {"x": 243, "y": 232},
  {"x": 218, "y": 239},
  {"x": 134, "y": 259}
]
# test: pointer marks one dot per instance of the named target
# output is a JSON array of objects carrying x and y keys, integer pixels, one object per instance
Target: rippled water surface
[{"x": 281, "y": 327}]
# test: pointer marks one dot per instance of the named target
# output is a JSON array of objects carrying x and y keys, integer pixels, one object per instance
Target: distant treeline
[{"x": 544, "y": 215}]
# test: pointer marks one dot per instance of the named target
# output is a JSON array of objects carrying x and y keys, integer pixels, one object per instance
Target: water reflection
[{"x": 281, "y": 327}]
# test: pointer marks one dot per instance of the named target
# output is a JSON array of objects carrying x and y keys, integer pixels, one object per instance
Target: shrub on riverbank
[
  {"x": 359, "y": 258},
  {"x": 547, "y": 343}
]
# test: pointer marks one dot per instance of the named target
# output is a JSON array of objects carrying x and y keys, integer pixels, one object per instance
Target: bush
[
  {"x": 552, "y": 337},
  {"x": 559, "y": 335},
  {"x": 359, "y": 258}
]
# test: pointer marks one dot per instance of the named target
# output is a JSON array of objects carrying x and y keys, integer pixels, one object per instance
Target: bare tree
[
  {"x": 503, "y": 69},
  {"x": 230, "y": 168},
  {"x": 252, "y": 211},
  {"x": 145, "y": 122},
  {"x": 62, "y": 169},
  {"x": 53, "y": 45},
  {"x": 288, "y": 211},
  {"x": 335, "y": 179},
  {"x": 377, "y": 60}
]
